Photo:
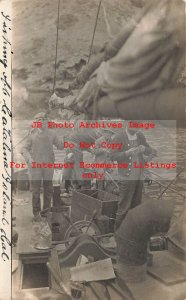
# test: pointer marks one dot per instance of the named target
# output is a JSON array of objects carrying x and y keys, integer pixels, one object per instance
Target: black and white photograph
[{"x": 93, "y": 159}]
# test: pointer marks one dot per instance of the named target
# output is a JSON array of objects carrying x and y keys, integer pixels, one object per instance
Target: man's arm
[
  {"x": 58, "y": 142},
  {"x": 98, "y": 150},
  {"x": 148, "y": 149},
  {"x": 118, "y": 155},
  {"x": 150, "y": 96},
  {"x": 26, "y": 150}
]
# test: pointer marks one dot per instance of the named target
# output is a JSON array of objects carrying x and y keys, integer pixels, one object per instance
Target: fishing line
[
  {"x": 90, "y": 53},
  {"x": 56, "y": 52}
]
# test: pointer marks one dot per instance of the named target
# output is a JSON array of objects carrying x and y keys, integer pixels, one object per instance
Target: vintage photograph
[{"x": 98, "y": 138}]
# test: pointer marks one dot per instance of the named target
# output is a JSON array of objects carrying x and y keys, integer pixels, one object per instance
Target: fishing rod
[
  {"x": 167, "y": 187},
  {"x": 90, "y": 51},
  {"x": 56, "y": 56},
  {"x": 94, "y": 31},
  {"x": 56, "y": 50},
  {"x": 55, "y": 71},
  {"x": 106, "y": 53}
]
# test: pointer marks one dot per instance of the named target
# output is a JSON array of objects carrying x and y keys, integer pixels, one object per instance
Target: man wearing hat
[
  {"x": 130, "y": 180},
  {"x": 39, "y": 148}
]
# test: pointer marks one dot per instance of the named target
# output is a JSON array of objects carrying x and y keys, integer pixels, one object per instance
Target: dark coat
[{"x": 121, "y": 157}]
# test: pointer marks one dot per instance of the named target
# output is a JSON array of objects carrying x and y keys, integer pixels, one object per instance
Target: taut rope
[
  {"x": 55, "y": 64},
  {"x": 99, "y": 6}
]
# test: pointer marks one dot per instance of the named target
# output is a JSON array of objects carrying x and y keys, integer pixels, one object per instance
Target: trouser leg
[
  {"x": 36, "y": 177},
  {"x": 67, "y": 176},
  {"x": 67, "y": 185},
  {"x": 137, "y": 197},
  {"x": 128, "y": 199},
  {"x": 75, "y": 174},
  {"x": 47, "y": 187},
  {"x": 78, "y": 172}
]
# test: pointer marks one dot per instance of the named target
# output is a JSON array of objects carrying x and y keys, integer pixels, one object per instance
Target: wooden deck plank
[{"x": 24, "y": 246}]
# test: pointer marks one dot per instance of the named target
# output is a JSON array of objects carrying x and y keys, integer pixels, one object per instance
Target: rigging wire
[
  {"x": 56, "y": 53},
  {"x": 108, "y": 27},
  {"x": 94, "y": 31}
]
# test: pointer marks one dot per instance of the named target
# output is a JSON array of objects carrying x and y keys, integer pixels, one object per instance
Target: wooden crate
[{"x": 84, "y": 202}]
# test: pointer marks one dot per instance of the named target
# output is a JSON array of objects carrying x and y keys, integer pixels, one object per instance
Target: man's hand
[
  {"x": 132, "y": 151},
  {"x": 87, "y": 94},
  {"x": 154, "y": 152},
  {"x": 70, "y": 156},
  {"x": 55, "y": 101},
  {"x": 141, "y": 149},
  {"x": 29, "y": 161}
]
